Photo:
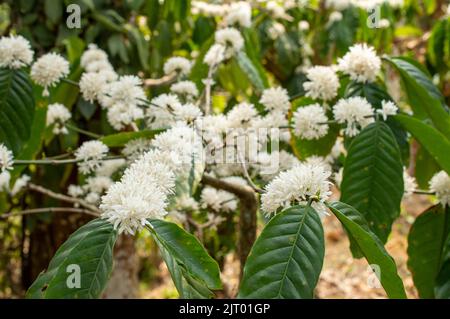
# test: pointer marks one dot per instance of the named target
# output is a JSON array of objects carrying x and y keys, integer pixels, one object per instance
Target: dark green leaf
[
  {"x": 431, "y": 139},
  {"x": 373, "y": 177},
  {"x": 120, "y": 139},
  {"x": 16, "y": 108},
  {"x": 286, "y": 259},
  {"x": 371, "y": 247},
  {"x": 426, "y": 241},
  {"x": 91, "y": 248}
]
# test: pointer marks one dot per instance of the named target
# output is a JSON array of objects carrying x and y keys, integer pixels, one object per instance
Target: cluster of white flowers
[
  {"x": 6, "y": 158},
  {"x": 58, "y": 115},
  {"x": 187, "y": 89},
  {"x": 268, "y": 165},
  {"x": 215, "y": 55},
  {"x": 231, "y": 39},
  {"x": 178, "y": 65},
  {"x": 90, "y": 154},
  {"x": 410, "y": 184},
  {"x": 209, "y": 9},
  {"x": 48, "y": 70},
  {"x": 277, "y": 11},
  {"x": 122, "y": 99},
  {"x": 440, "y": 185},
  {"x": 276, "y": 30},
  {"x": 388, "y": 108},
  {"x": 239, "y": 13},
  {"x": 335, "y": 16},
  {"x": 15, "y": 52},
  {"x": 322, "y": 83},
  {"x": 141, "y": 194},
  {"x": 310, "y": 122},
  {"x": 301, "y": 183},
  {"x": 355, "y": 112},
  {"x": 136, "y": 148},
  {"x": 20, "y": 184},
  {"x": 219, "y": 200},
  {"x": 361, "y": 63}
]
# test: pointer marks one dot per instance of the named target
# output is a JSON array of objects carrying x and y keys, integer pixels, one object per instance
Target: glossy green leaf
[
  {"x": 286, "y": 259},
  {"x": 424, "y": 97},
  {"x": 371, "y": 247},
  {"x": 442, "y": 285},
  {"x": 91, "y": 249},
  {"x": 120, "y": 139},
  {"x": 194, "y": 272},
  {"x": 16, "y": 108},
  {"x": 426, "y": 243},
  {"x": 432, "y": 140},
  {"x": 373, "y": 177}
]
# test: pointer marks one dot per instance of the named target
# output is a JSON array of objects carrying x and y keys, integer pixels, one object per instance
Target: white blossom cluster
[
  {"x": 322, "y": 83},
  {"x": 440, "y": 185},
  {"x": 361, "y": 63},
  {"x": 90, "y": 154},
  {"x": 15, "y": 52},
  {"x": 48, "y": 70},
  {"x": 228, "y": 42},
  {"x": 177, "y": 65},
  {"x": 300, "y": 184},
  {"x": 57, "y": 116}
]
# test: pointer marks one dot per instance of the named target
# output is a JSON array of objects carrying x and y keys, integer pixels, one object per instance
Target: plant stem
[
  {"x": 423, "y": 192},
  {"x": 50, "y": 210},
  {"x": 69, "y": 81},
  {"x": 58, "y": 162},
  {"x": 79, "y": 130}
]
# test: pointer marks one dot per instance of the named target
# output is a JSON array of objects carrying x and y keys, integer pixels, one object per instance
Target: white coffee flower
[
  {"x": 361, "y": 63},
  {"x": 310, "y": 122},
  {"x": 387, "y": 108},
  {"x": 276, "y": 30},
  {"x": 322, "y": 83},
  {"x": 99, "y": 67},
  {"x": 48, "y": 70},
  {"x": 218, "y": 200},
  {"x": 126, "y": 90},
  {"x": 276, "y": 10},
  {"x": 6, "y": 158},
  {"x": 270, "y": 165},
  {"x": 121, "y": 114},
  {"x": 141, "y": 194},
  {"x": 92, "y": 55},
  {"x": 338, "y": 4},
  {"x": 409, "y": 182},
  {"x": 92, "y": 198},
  {"x": 239, "y": 13},
  {"x": 5, "y": 178},
  {"x": 177, "y": 65},
  {"x": 215, "y": 55},
  {"x": 440, "y": 184},
  {"x": 161, "y": 112},
  {"x": 15, "y": 52},
  {"x": 58, "y": 115},
  {"x": 97, "y": 184},
  {"x": 136, "y": 148},
  {"x": 20, "y": 184},
  {"x": 241, "y": 115},
  {"x": 90, "y": 155},
  {"x": 185, "y": 88},
  {"x": 335, "y": 16},
  {"x": 187, "y": 113},
  {"x": 75, "y": 191},
  {"x": 355, "y": 112},
  {"x": 276, "y": 99},
  {"x": 303, "y": 25},
  {"x": 298, "y": 184},
  {"x": 108, "y": 168},
  {"x": 231, "y": 39},
  {"x": 92, "y": 86}
]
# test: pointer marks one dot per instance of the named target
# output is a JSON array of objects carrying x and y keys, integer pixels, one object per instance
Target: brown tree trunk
[{"x": 124, "y": 283}]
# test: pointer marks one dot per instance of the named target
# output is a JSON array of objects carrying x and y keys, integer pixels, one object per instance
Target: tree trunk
[{"x": 124, "y": 283}]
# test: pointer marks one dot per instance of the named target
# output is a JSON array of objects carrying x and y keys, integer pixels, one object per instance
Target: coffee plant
[{"x": 199, "y": 123}]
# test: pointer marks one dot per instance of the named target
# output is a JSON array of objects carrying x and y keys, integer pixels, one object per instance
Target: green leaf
[
  {"x": 91, "y": 248},
  {"x": 16, "y": 108},
  {"x": 286, "y": 259},
  {"x": 254, "y": 72},
  {"x": 442, "y": 286},
  {"x": 371, "y": 247},
  {"x": 373, "y": 177},
  {"x": 439, "y": 43},
  {"x": 431, "y": 139},
  {"x": 424, "y": 97},
  {"x": 194, "y": 272},
  {"x": 53, "y": 10},
  {"x": 426, "y": 243},
  {"x": 120, "y": 139}
]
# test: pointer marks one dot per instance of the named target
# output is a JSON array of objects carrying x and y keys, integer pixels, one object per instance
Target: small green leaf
[
  {"x": 426, "y": 241},
  {"x": 286, "y": 259},
  {"x": 120, "y": 139},
  {"x": 371, "y": 247},
  {"x": 91, "y": 249},
  {"x": 432, "y": 140},
  {"x": 255, "y": 74},
  {"x": 191, "y": 267}
]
